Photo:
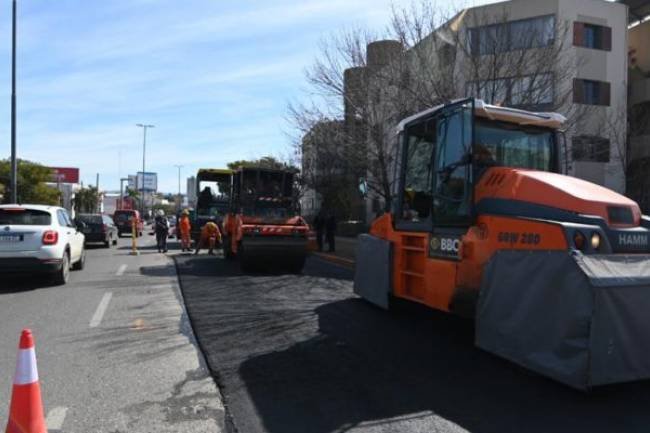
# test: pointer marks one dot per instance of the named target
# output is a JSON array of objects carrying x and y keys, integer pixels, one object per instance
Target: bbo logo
[{"x": 445, "y": 246}]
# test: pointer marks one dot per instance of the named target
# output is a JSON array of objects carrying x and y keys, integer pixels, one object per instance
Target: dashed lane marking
[
  {"x": 120, "y": 270},
  {"x": 55, "y": 418},
  {"x": 101, "y": 309}
]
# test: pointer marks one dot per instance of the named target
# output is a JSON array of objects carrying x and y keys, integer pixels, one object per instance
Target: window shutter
[
  {"x": 578, "y": 91},
  {"x": 578, "y": 34},
  {"x": 607, "y": 38},
  {"x": 605, "y": 93}
]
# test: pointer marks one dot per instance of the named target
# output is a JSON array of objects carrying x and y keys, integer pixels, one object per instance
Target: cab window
[
  {"x": 453, "y": 162},
  {"x": 417, "y": 193}
]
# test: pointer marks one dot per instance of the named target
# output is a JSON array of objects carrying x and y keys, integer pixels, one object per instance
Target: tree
[
  {"x": 32, "y": 188},
  {"x": 264, "y": 162},
  {"x": 86, "y": 200},
  {"x": 430, "y": 58}
]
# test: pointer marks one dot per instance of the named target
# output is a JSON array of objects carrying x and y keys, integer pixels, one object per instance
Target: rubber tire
[
  {"x": 62, "y": 276},
  {"x": 227, "y": 249},
  {"x": 81, "y": 263},
  {"x": 296, "y": 266}
]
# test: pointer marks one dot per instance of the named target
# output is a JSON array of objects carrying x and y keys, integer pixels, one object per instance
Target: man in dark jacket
[
  {"x": 330, "y": 232},
  {"x": 161, "y": 226}
]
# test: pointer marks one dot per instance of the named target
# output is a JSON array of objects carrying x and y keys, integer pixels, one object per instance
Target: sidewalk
[{"x": 345, "y": 255}]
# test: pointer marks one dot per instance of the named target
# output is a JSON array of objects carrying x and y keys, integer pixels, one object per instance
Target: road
[
  {"x": 303, "y": 354},
  {"x": 115, "y": 350}
]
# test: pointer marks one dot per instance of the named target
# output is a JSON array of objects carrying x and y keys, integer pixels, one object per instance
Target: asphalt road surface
[
  {"x": 115, "y": 350},
  {"x": 300, "y": 353}
]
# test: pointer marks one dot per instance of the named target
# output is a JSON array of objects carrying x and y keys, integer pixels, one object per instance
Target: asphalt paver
[{"x": 301, "y": 353}]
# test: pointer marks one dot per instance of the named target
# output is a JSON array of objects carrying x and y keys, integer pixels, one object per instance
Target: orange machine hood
[{"x": 553, "y": 190}]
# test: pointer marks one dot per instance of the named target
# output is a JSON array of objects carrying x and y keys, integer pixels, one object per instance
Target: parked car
[
  {"x": 98, "y": 228},
  {"x": 40, "y": 239},
  {"x": 123, "y": 219}
]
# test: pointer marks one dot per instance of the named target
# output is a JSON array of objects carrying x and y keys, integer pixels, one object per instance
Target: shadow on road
[{"x": 22, "y": 283}]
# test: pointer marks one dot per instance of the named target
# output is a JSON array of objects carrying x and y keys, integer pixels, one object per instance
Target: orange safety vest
[{"x": 185, "y": 225}]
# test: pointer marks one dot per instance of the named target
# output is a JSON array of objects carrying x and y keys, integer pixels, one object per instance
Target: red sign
[{"x": 65, "y": 174}]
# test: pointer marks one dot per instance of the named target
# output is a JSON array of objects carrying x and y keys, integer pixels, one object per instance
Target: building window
[
  {"x": 514, "y": 35},
  {"x": 591, "y": 92},
  {"x": 590, "y": 148},
  {"x": 528, "y": 91},
  {"x": 592, "y": 36}
]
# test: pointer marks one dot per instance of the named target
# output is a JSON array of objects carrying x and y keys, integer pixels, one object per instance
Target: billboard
[
  {"x": 65, "y": 174},
  {"x": 150, "y": 181}
]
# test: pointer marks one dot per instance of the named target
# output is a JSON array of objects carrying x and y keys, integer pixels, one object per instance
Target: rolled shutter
[
  {"x": 578, "y": 91},
  {"x": 607, "y": 38},
  {"x": 605, "y": 93},
  {"x": 578, "y": 34}
]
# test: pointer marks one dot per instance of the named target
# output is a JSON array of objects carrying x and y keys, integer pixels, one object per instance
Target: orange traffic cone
[{"x": 26, "y": 410}]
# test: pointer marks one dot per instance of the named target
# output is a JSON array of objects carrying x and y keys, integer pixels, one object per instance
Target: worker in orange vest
[
  {"x": 211, "y": 235},
  {"x": 185, "y": 229}
]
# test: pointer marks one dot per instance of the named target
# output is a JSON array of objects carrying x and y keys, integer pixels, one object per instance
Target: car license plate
[{"x": 11, "y": 238}]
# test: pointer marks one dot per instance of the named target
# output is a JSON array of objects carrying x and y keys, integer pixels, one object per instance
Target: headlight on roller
[{"x": 595, "y": 241}]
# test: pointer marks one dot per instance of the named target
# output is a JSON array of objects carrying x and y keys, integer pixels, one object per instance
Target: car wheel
[
  {"x": 81, "y": 263},
  {"x": 62, "y": 275}
]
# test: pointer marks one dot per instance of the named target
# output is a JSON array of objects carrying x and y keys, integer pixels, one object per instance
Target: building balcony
[{"x": 640, "y": 91}]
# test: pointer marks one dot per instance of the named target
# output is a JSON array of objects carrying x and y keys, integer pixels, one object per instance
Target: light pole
[
  {"x": 144, "y": 150},
  {"x": 179, "y": 186},
  {"x": 14, "y": 162}
]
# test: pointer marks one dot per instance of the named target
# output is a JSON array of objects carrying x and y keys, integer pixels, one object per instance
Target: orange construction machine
[
  {"x": 555, "y": 270},
  {"x": 264, "y": 226}
]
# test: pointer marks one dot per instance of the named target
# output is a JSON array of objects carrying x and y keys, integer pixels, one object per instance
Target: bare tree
[{"x": 437, "y": 57}]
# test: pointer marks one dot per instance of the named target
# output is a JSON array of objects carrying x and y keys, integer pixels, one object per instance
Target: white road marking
[
  {"x": 55, "y": 418},
  {"x": 101, "y": 309},
  {"x": 120, "y": 270}
]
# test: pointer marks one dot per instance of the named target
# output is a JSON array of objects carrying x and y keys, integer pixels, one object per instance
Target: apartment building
[
  {"x": 583, "y": 77},
  {"x": 638, "y": 181}
]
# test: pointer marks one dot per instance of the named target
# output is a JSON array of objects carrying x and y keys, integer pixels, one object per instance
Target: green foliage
[
  {"x": 264, "y": 162},
  {"x": 86, "y": 200},
  {"x": 31, "y": 183}
]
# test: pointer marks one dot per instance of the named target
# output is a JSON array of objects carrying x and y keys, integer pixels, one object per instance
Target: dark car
[
  {"x": 98, "y": 228},
  {"x": 123, "y": 219}
]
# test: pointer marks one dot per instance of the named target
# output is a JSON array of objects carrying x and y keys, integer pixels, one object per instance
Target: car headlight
[{"x": 595, "y": 240}]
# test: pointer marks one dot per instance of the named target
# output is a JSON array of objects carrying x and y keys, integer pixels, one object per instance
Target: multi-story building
[
  {"x": 568, "y": 56},
  {"x": 638, "y": 181}
]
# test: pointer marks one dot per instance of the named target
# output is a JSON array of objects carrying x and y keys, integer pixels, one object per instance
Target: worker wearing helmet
[
  {"x": 210, "y": 235},
  {"x": 161, "y": 225},
  {"x": 185, "y": 228}
]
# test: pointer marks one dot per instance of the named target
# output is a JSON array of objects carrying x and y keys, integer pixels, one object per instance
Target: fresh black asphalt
[{"x": 301, "y": 353}]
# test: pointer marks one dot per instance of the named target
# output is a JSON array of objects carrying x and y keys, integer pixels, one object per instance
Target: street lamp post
[
  {"x": 179, "y": 186},
  {"x": 144, "y": 149},
  {"x": 14, "y": 162}
]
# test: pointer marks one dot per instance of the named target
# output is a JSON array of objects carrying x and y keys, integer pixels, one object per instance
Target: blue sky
[{"x": 214, "y": 76}]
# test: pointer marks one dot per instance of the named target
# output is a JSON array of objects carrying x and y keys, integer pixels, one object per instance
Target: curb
[{"x": 347, "y": 263}]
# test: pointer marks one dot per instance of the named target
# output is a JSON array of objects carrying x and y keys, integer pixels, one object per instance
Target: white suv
[{"x": 35, "y": 238}]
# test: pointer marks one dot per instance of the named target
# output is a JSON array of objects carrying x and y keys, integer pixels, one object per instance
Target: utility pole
[
  {"x": 97, "y": 207},
  {"x": 14, "y": 161},
  {"x": 179, "y": 186},
  {"x": 144, "y": 150}
]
